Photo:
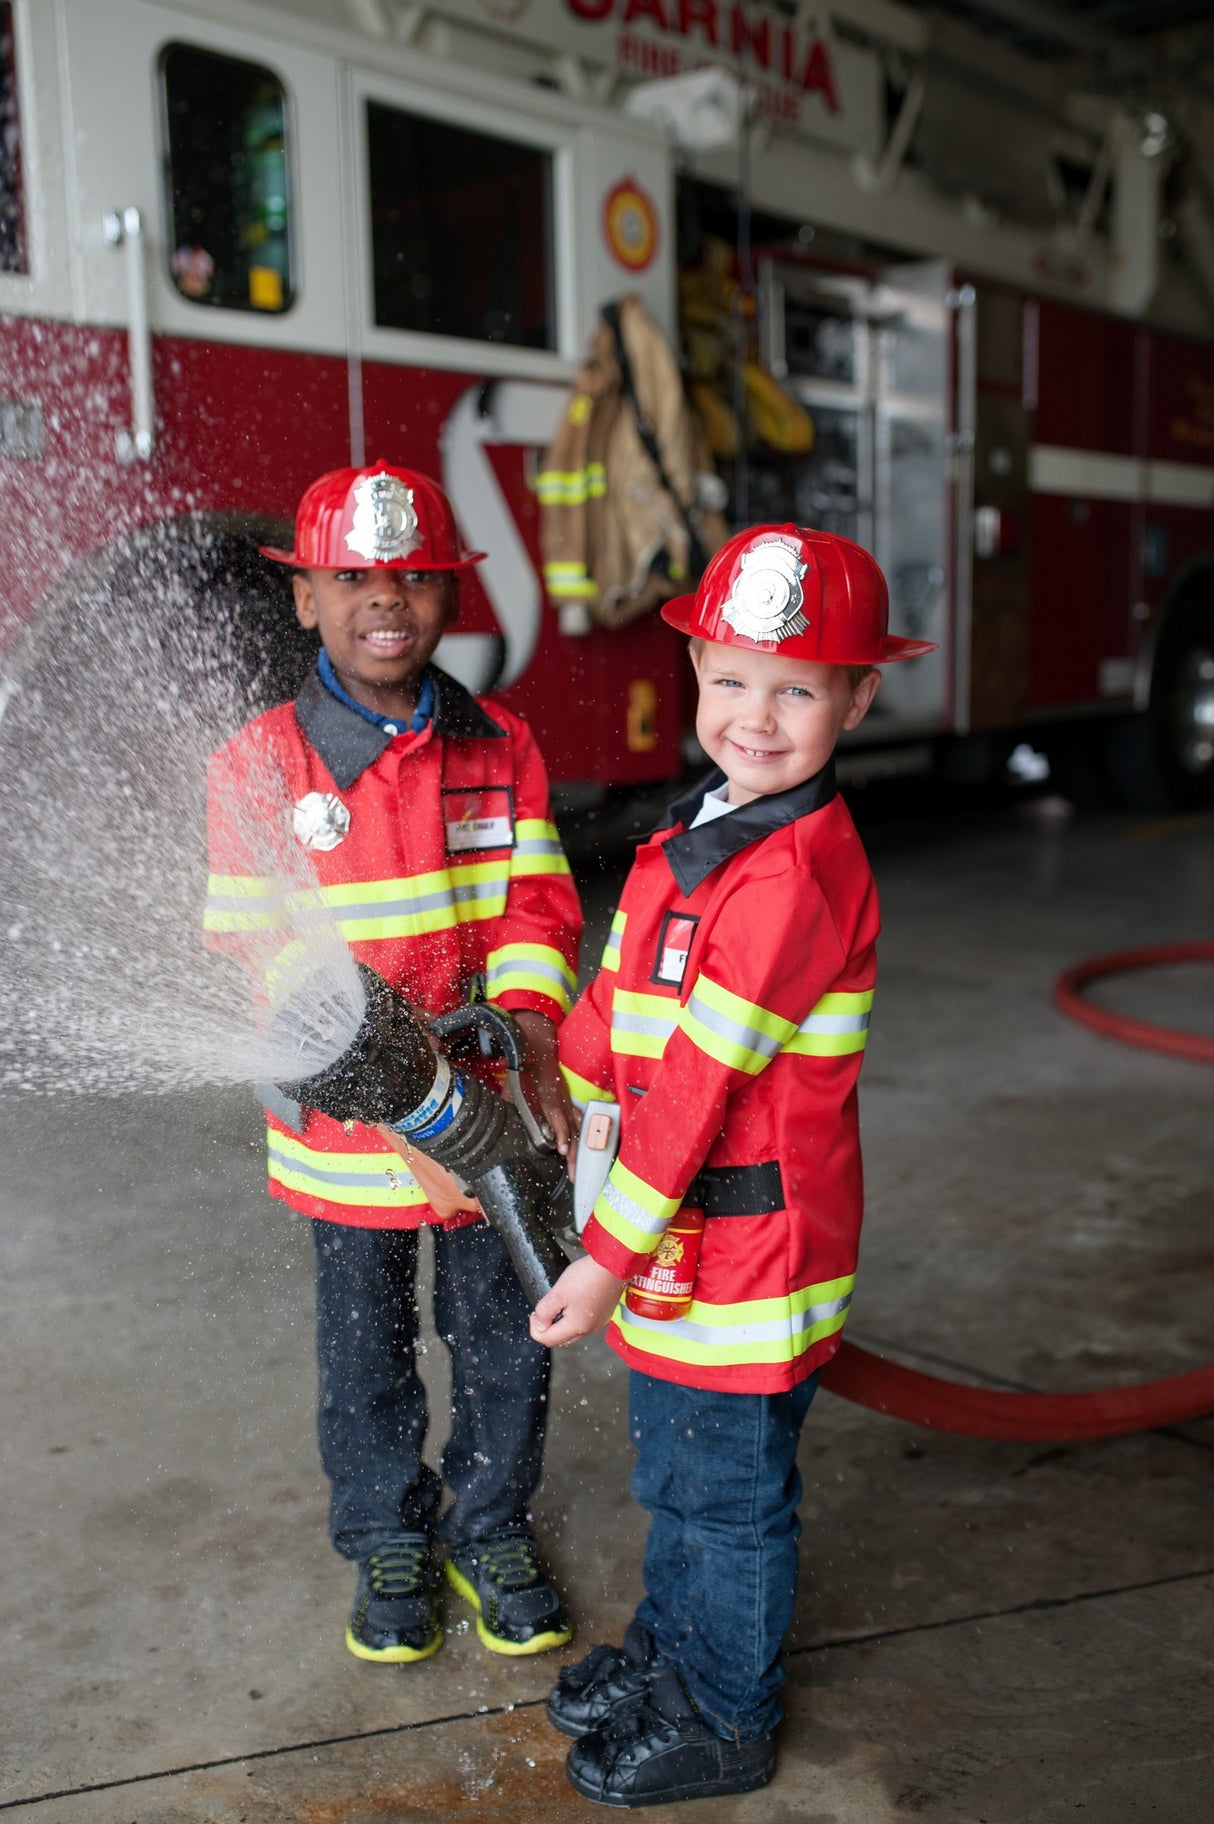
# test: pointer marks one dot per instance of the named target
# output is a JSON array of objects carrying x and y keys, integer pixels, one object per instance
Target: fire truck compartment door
[
  {"x": 115, "y": 135},
  {"x": 910, "y": 325}
]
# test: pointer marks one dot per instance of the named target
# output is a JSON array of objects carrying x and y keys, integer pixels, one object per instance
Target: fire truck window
[
  {"x": 12, "y": 199},
  {"x": 227, "y": 175},
  {"x": 462, "y": 234}
]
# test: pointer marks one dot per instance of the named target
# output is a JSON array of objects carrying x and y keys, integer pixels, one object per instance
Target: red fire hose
[{"x": 980, "y": 1412}]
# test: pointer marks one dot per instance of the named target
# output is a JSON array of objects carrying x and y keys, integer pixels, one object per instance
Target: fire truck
[{"x": 243, "y": 243}]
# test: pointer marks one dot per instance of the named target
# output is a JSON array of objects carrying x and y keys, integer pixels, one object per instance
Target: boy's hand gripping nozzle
[{"x": 390, "y": 1077}]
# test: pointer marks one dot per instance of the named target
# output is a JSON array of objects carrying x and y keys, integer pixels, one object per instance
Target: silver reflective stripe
[
  {"x": 836, "y": 1022},
  {"x": 721, "y": 1336},
  {"x": 763, "y": 1044},
  {"x": 536, "y": 845},
  {"x": 631, "y": 1211},
  {"x": 367, "y": 1179},
  {"x": 482, "y": 889},
  {"x": 390, "y": 908},
  {"x": 653, "y": 1025},
  {"x": 524, "y": 965}
]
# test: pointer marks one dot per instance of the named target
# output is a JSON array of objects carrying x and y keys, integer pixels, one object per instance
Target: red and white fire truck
[{"x": 242, "y": 243}]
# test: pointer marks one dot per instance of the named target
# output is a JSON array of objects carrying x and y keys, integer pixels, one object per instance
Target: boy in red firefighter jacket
[
  {"x": 425, "y": 816},
  {"x": 729, "y": 1021}
]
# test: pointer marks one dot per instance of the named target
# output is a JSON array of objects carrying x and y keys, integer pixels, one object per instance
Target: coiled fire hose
[{"x": 978, "y": 1412}]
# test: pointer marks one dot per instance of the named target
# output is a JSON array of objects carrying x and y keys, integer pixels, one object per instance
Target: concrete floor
[{"x": 995, "y": 1633}]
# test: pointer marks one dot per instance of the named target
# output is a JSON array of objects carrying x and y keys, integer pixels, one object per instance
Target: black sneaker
[
  {"x": 395, "y": 1613},
  {"x": 658, "y": 1751},
  {"x": 588, "y": 1695},
  {"x": 517, "y": 1609}
]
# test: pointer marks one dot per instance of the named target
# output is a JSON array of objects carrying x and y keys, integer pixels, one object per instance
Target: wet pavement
[{"x": 1009, "y": 1633}]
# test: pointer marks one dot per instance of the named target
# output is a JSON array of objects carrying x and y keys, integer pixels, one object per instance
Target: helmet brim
[
  {"x": 679, "y": 612},
  {"x": 297, "y": 562}
]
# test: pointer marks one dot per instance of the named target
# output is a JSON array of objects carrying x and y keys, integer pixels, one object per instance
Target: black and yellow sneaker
[
  {"x": 395, "y": 1613},
  {"x": 517, "y": 1608}
]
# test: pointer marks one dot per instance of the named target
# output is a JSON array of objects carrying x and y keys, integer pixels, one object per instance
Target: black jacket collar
[
  {"x": 348, "y": 744},
  {"x": 693, "y": 854}
]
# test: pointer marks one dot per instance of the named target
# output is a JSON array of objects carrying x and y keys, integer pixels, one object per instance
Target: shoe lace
[
  {"x": 511, "y": 1562},
  {"x": 398, "y": 1569}
]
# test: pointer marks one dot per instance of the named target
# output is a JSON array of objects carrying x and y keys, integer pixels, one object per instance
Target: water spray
[{"x": 389, "y": 1077}]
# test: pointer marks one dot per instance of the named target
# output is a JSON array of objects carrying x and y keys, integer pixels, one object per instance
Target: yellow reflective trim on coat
[
  {"x": 737, "y": 1033},
  {"x": 537, "y": 848},
  {"x": 837, "y": 1027},
  {"x": 369, "y": 1180},
  {"x": 753, "y": 1331},
  {"x": 611, "y": 949},
  {"x": 437, "y": 901},
  {"x": 535, "y": 968},
  {"x": 641, "y": 1024},
  {"x": 633, "y": 1212},
  {"x": 582, "y": 1090},
  {"x": 571, "y": 487},
  {"x": 570, "y": 581},
  {"x": 242, "y": 902}
]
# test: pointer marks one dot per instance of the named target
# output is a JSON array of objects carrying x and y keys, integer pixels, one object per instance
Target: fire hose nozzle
[{"x": 389, "y": 1075}]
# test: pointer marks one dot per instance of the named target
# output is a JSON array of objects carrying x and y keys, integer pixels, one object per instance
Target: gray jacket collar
[
  {"x": 693, "y": 854},
  {"x": 348, "y": 744}
]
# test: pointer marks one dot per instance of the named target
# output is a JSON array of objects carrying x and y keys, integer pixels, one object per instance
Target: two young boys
[
  {"x": 729, "y": 1021},
  {"x": 425, "y": 816}
]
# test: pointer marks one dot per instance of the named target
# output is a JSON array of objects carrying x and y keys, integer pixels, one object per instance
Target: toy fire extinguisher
[{"x": 664, "y": 1289}]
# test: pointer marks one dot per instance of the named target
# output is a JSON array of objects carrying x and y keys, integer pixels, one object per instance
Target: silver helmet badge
[
  {"x": 385, "y": 521},
  {"x": 766, "y": 599}
]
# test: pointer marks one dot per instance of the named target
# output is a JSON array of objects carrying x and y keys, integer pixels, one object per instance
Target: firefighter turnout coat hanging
[
  {"x": 729, "y": 1020},
  {"x": 442, "y": 868},
  {"x": 621, "y": 531}
]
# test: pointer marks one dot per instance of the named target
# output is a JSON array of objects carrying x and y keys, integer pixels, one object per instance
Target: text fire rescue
[{"x": 777, "y": 49}]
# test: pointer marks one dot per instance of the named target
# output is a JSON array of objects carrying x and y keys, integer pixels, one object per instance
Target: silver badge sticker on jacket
[
  {"x": 766, "y": 599},
  {"x": 320, "y": 821},
  {"x": 385, "y": 522}
]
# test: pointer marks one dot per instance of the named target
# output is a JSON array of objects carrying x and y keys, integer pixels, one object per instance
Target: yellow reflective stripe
[
  {"x": 537, "y": 968},
  {"x": 571, "y": 487},
  {"x": 582, "y": 1090},
  {"x": 537, "y": 848},
  {"x": 569, "y": 580},
  {"x": 242, "y": 902},
  {"x": 837, "y": 1026},
  {"x": 424, "y": 902},
  {"x": 374, "y": 1180},
  {"x": 641, "y": 1023},
  {"x": 611, "y": 949},
  {"x": 737, "y": 1033},
  {"x": 632, "y": 1212},
  {"x": 756, "y": 1330}
]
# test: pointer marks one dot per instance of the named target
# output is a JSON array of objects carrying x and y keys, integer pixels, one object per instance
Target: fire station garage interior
[{"x": 627, "y": 278}]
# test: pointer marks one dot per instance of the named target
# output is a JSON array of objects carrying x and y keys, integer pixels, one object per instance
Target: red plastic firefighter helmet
[
  {"x": 804, "y": 594},
  {"x": 380, "y": 517}
]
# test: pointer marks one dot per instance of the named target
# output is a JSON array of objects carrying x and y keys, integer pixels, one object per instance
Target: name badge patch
[
  {"x": 674, "y": 942},
  {"x": 481, "y": 818}
]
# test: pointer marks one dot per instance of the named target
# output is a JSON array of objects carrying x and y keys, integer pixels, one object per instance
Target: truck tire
[{"x": 1164, "y": 759}]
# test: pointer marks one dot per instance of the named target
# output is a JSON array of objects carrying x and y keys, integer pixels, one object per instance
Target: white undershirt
[{"x": 715, "y": 805}]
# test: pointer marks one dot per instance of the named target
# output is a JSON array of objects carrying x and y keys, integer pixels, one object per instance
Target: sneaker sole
[
  {"x": 498, "y": 1643},
  {"x": 709, "y": 1789},
  {"x": 393, "y": 1656}
]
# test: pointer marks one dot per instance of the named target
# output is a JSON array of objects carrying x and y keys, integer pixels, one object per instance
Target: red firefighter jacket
[
  {"x": 729, "y": 1020},
  {"x": 444, "y": 866}
]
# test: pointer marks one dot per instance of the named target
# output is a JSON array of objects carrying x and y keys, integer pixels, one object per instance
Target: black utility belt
[{"x": 737, "y": 1190}]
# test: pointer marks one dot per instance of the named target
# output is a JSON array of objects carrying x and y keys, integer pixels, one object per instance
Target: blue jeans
[
  {"x": 373, "y": 1414},
  {"x": 717, "y": 1475}
]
